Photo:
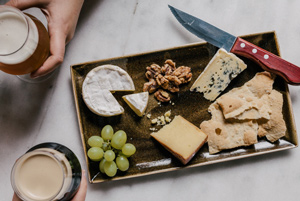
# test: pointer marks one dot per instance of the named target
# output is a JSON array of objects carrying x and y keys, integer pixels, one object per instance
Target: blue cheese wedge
[
  {"x": 98, "y": 86},
  {"x": 217, "y": 75},
  {"x": 137, "y": 102}
]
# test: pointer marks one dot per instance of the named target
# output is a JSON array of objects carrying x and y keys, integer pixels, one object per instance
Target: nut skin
[
  {"x": 152, "y": 71},
  {"x": 174, "y": 80},
  {"x": 162, "y": 95},
  {"x": 169, "y": 67},
  {"x": 183, "y": 73},
  {"x": 167, "y": 77},
  {"x": 150, "y": 86},
  {"x": 162, "y": 81}
]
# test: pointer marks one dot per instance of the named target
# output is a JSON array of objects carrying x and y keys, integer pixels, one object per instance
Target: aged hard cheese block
[
  {"x": 137, "y": 102},
  {"x": 98, "y": 85},
  {"x": 217, "y": 75},
  {"x": 182, "y": 138}
]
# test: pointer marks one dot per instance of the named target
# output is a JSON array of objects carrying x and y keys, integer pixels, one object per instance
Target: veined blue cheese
[{"x": 217, "y": 75}]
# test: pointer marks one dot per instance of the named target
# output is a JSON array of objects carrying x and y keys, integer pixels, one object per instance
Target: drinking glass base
[{"x": 27, "y": 78}]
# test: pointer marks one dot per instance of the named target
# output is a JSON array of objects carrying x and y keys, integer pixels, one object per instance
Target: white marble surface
[{"x": 36, "y": 113}]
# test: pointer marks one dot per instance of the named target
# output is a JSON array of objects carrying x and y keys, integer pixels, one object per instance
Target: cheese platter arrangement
[{"x": 178, "y": 112}]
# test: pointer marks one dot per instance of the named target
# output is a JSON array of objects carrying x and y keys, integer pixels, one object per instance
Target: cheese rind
[
  {"x": 217, "y": 75},
  {"x": 102, "y": 102},
  {"x": 98, "y": 85},
  {"x": 137, "y": 102},
  {"x": 182, "y": 138}
]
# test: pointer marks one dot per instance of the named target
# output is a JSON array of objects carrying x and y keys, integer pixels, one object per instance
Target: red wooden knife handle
[{"x": 268, "y": 61}]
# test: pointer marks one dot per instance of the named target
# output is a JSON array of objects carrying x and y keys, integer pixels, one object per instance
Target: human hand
[
  {"x": 80, "y": 195},
  {"x": 62, "y": 17}
]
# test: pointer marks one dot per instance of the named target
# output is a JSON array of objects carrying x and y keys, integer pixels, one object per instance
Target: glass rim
[
  {"x": 26, "y": 156},
  {"x": 5, "y": 8}
]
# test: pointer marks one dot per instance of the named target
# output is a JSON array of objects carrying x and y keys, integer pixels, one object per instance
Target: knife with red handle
[{"x": 219, "y": 38}]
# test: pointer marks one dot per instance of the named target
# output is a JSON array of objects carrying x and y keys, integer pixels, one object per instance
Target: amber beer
[{"x": 24, "y": 42}]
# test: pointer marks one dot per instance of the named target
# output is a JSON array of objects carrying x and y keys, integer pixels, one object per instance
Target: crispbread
[
  {"x": 226, "y": 135},
  {"x": 261, "y": 83},
  {"x": 248, "y": 102},
  {"x": 275, "y": 128},
  {"x": 245, "y": 113},
  {"x": 98, "y": 85}
]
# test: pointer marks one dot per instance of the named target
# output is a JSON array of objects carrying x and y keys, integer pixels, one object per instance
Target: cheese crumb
[
  {"x": 162, "y": 120},
  {"x": 154, "y": 121},
  {"x": 152, "y": 129},
  {"x": 168, "y": 120},
  {"x": 168, "y": 113}
]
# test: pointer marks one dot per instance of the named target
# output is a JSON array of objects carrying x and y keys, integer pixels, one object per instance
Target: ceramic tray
[{"x": 151, "y": 157}]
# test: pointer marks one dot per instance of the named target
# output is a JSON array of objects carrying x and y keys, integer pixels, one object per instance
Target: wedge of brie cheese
[
  {"x": 217, "y": 75},
  {"x": 98, "y": 85},
  {"x": 137, "y": 102}
]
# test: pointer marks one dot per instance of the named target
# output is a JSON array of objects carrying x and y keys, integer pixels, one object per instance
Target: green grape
[
  {"x": 95, "y": 141},
  {"x": 101, "y": 165},
  {"x": 107, "y": 132},
  {"x": 109, "y": 155},
  {"x": 128, "y": 149},
  {"x": 122, "y": 163},
  {"x": 105, "y": 146},
  {"x": 110, "y": 168},
  {"x": 119, "y": 139},
  {"x": 95, "y": 153}
]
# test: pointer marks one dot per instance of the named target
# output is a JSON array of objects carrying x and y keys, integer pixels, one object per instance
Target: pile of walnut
[{"x": 166, "y": 78}]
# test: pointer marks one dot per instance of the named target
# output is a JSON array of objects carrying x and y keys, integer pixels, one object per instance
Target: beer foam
[
  {"x": 18, "y": 39},
  {"x": 39, "y": 177}
]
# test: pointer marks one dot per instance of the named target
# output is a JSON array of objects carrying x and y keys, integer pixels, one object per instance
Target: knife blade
[{"x": 221, "y": 39}]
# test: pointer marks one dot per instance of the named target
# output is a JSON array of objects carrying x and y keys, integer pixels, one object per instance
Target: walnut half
[
  {"x": 150, "y": 86},
  {"x": 162, "y": 95},
  {"x": 152, "y": 71},
  {"x": 183, "y": 73}
]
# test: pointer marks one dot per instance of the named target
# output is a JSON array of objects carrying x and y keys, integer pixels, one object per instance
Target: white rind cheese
[
  {"x": 217, "y": 75},
  {"x": 103, "y": 103},
  {"x": 137, "y": 102},
  {"x": 98, "y": 85}
]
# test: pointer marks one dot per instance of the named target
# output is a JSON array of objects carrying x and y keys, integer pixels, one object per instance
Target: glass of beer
[
  {"x": 46, "y": 172},
  {"x": 24, "y": 42}
]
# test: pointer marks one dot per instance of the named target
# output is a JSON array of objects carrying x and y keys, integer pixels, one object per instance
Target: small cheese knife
[{"x": 236, "y": 45}]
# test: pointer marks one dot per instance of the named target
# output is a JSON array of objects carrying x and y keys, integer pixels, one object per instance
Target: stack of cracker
[{"x": 243, "y": 114}]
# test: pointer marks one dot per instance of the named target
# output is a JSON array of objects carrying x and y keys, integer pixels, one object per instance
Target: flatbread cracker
[
  {"x": 275, "y": 128},
  {"x": 243, "y": 114},
  {"x": 248, "y": 102},
  {"x": 227, "y": 135}
]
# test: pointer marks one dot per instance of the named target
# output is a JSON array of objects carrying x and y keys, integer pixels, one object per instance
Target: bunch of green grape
[{"x": 111, "y": 150}]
